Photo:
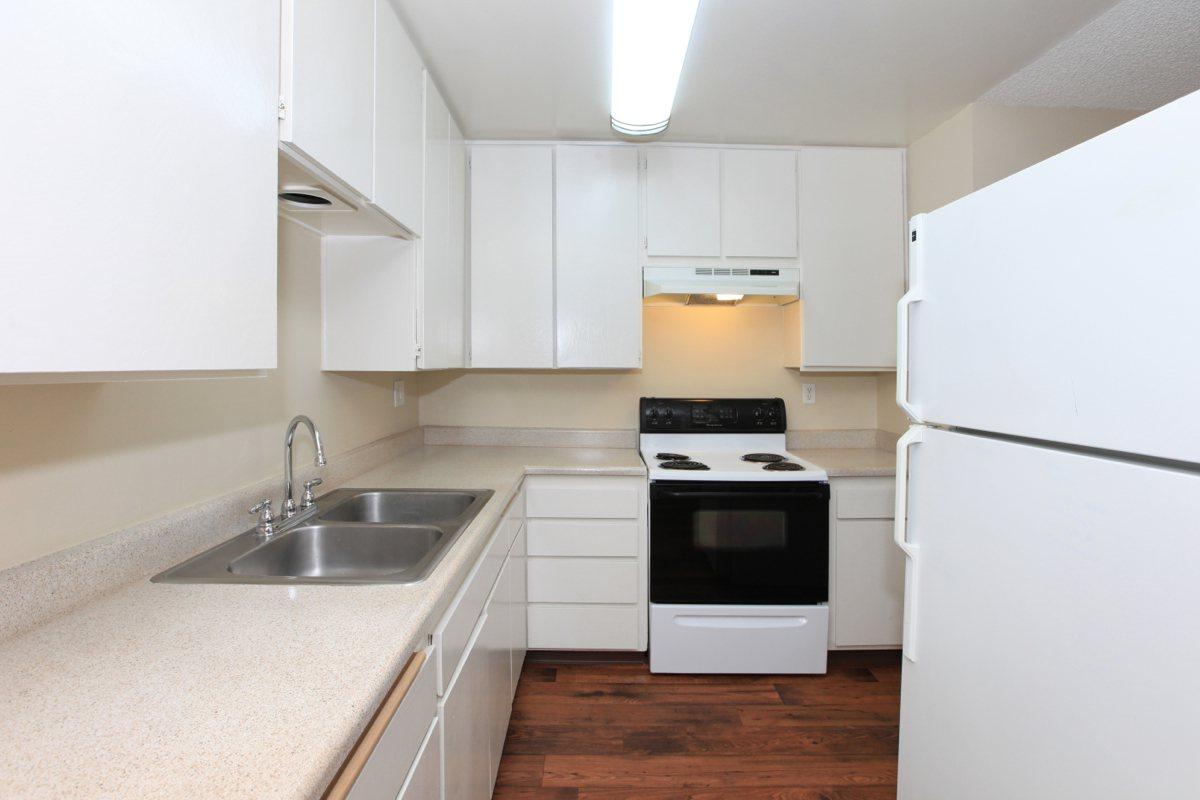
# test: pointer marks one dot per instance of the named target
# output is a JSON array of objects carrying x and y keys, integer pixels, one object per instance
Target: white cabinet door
[
  {"x": 328, "y": 85},
  {"x": 424, "y": 782},
  {"x": 512, "y": 256},
  {"x": 140, "y": 145},
  {"x": 758, "y": 203},
  {"x": 598, "y": 280},
  {"x": 442, "y": 270},
  {"x": 465, "y": 720},
  {"x": 852, "y": 233},
  {"x": 683, "y": 201},
  {"x": 869, "y": 600},
  {"x": 399, "y": 126},
  {"x": 494, "y": 641},
  {"x": 518, "y": 596}
]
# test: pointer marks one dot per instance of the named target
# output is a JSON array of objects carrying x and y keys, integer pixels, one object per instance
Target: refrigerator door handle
[
  {"x": 914, "y": 435},
  {"x": 911, "y": 297}
]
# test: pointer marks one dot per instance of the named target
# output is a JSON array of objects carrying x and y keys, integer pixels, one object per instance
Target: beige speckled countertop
[
  {"x": 211, "y": 691},
  {"x": 852, "y": 461}
]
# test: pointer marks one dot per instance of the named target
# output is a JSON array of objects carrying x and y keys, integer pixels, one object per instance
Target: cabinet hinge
[{"x": 281, "y": 109}]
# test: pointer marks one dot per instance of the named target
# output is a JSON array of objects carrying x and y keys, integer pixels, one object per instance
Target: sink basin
[
  {"x": 402, "y": 508},
  {"x": 342, "y": 551},
  {"x": 350, "y": 536}
]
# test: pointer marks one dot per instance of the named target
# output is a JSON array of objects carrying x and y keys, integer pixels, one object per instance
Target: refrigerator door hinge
[{"x": 281, "y": 109}]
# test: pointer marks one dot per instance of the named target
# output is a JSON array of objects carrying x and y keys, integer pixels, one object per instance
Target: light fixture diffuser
[{"x": 650, "y": 40}]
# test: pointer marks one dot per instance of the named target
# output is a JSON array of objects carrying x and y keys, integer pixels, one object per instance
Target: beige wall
[
  {"x": 81, "y": 460},
  {"x": 978, "y": 146},
  {"x": 687, "y": 351}
]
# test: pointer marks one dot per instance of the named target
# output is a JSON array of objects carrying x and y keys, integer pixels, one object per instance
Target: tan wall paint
[
  {"x": 689, "y": 352},
  {"x": 979, "y": 146},
  {"x": 82, "y": 460}
]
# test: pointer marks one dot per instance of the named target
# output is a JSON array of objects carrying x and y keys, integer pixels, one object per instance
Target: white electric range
[{"x": 739, "y": 540}]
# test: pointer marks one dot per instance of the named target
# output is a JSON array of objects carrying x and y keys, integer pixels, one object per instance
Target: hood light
[
  {"x": 729, "y": 298},
  {"x": 650, "y": 40}
]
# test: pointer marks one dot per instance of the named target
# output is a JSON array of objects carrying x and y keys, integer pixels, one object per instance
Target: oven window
[{"x": 739, "y": 543}]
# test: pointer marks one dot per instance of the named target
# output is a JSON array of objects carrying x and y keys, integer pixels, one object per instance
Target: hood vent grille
[{"x": 714, "y": 271}]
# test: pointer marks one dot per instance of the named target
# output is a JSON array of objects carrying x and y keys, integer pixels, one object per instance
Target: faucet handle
[
  {"x": 266, "y": 516},
  {"x": 308, "y": 499}
]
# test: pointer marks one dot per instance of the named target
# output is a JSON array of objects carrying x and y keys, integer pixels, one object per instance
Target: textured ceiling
[
  {"x": 873, "y": 72},
  {"x": 1138, "y": 55}
]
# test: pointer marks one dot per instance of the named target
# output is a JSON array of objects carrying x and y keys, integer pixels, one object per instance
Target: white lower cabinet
[
  {"x": 868, "y": 579},
  {"x": 480, "y": 664},
  {"x": 587, "y": 565}
]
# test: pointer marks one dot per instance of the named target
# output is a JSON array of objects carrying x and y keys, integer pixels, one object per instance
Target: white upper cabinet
[
  {"x": 327, "y": 85},
  {"x": 399, "y": 121},
  {"x": 852, "y": 239},
  {"x": 758, "y": 203},
  {"x": 598, "y": 278},
  {"x": 683, "y": 201},
  {"x": 512, "y": 256},
  {"x": 140, "y": 224},
  {"x": 443, "y": 294}
]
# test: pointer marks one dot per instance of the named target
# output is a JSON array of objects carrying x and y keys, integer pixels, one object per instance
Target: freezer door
[
  {"x": 1063, "y": 303},
  {"x": 1052, "y": 648}
]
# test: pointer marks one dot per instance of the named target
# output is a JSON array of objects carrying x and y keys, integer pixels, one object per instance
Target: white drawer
[
  {"x": 613, "y": 538},
  {"x": 389, "y": 761},
  {"x": 562, "y": 627},
  {"x": 582, "y": 580},
  {"x": 865, "y": 498},
  {"x": 575, "y": 497},
  {"x": 451, "y": 634}
]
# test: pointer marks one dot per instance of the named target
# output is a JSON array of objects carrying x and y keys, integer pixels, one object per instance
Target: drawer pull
[{"x": 348, "y": 774}]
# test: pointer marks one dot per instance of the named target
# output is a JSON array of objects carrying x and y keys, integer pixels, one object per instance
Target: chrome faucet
[{"x": 289, "y": 505}]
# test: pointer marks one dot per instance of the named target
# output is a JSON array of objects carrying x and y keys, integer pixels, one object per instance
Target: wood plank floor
[{"x": 610, "y": 731}]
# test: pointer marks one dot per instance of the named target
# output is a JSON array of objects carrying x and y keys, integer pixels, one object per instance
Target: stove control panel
[{"x": 736, "y": 415}]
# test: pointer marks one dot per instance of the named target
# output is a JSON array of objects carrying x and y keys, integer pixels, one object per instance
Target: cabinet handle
[
  {"x": 913, "y": 296},
  {"x": 914, "y": 435},
  {"x": 348, "y": 774}
]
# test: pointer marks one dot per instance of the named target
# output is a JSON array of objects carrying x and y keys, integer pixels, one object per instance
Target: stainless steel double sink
[{"x": 352, "y": 536}]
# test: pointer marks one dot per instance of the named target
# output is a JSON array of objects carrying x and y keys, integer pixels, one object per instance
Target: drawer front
[
  {"x": 582, "y": 580},
  {"x": 865, "y": 498},
  {"x": 451, "y": 635},
  {"x": 395, "y": 751},
  {"x": 563, "y": 627},
  {"x": 424, "y": 780},
  {"x": 612, "y": 538},
  {"x": 583, "y": 498}
]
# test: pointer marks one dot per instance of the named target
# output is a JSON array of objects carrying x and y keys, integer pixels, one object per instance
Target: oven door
[{"x": 739, "y": 543}]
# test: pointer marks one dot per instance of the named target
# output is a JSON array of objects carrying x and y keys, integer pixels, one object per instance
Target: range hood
[{"x": 782, "y": 283}]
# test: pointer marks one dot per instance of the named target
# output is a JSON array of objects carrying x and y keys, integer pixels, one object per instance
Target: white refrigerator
[{"x": 1048, "y": 492}]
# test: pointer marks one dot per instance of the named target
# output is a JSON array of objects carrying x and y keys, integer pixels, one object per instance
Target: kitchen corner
[{"x": 256, "y": 690}]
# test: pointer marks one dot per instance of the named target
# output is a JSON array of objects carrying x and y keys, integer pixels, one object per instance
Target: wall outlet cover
[{"x": 808, "y": 392}]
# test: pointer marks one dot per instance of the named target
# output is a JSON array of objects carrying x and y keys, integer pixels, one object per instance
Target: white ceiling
[
  {"x": 758, "y": 71},
  {"x": 1137, "y": 56}
]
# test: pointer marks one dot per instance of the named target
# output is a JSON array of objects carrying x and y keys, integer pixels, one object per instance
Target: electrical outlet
[
  {"x": 397, "y": 393},
  {"x": 809, "y": 393}
]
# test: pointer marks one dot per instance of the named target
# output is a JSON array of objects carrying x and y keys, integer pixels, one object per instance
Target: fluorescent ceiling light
[{"x": 650, "y": 40}]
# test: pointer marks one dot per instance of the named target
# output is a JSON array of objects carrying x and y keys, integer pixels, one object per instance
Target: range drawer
[
  {"x": 583, "y": 627},
  {"x": 865, "y": 498},
  {"x": 582, "y": 580},
  {"x": 380, "y": 763},
  {"x": 589, "y": 497},
  {"x": 612, "y": 538}
]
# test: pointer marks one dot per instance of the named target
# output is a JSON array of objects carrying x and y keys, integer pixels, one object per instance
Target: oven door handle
[{"x": 677, "y": 495}]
